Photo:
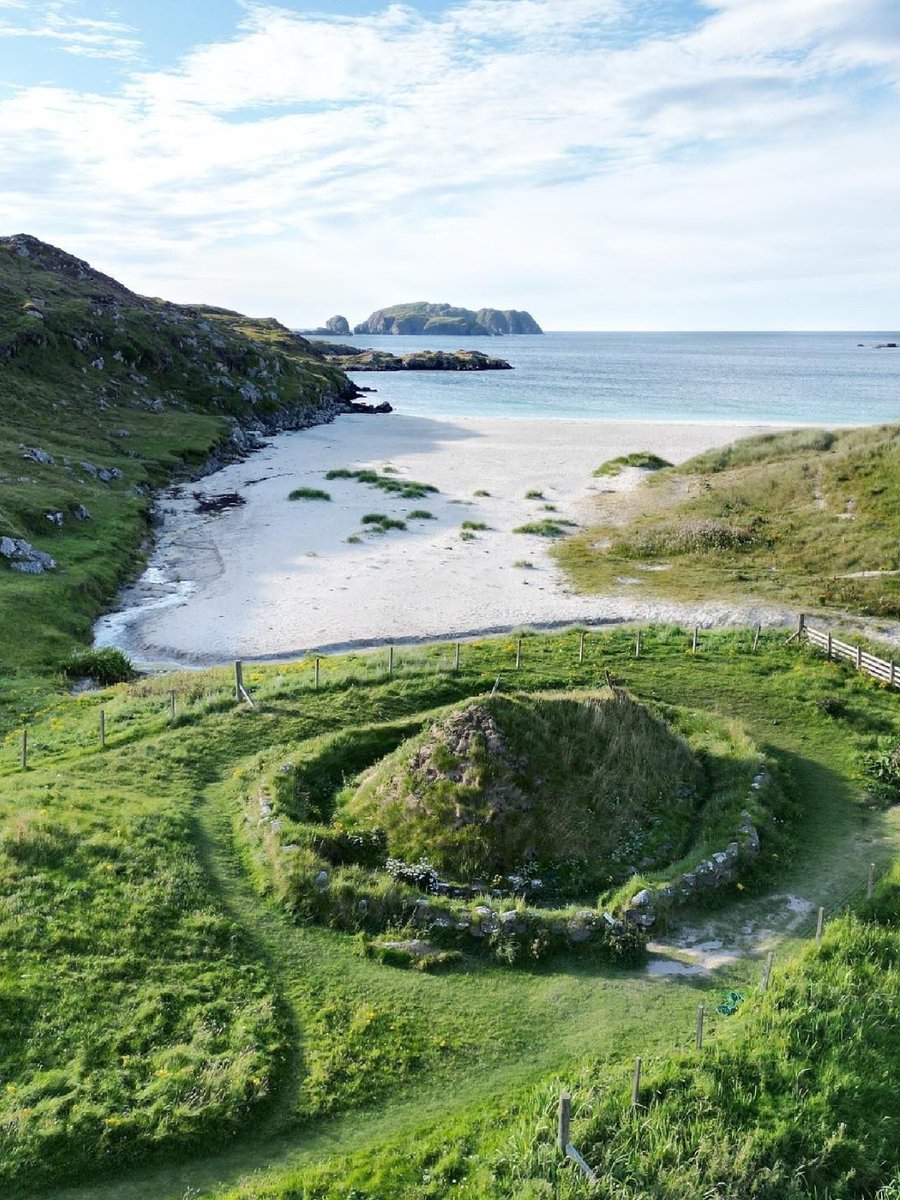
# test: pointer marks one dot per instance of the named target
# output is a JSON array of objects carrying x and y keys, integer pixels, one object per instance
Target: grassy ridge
[
  {"x": 794, "y": 518},
  {"x": 91, "y": 373}
]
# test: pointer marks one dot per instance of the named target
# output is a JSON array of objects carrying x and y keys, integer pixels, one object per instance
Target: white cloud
[
  {"x": 59, "y": 23},
  {"x": 562, "y": 157}
]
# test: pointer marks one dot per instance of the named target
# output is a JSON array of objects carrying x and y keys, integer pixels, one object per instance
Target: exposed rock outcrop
[
  {"x": 421, "y": 360},
  {"x": 24, "y": 557}
]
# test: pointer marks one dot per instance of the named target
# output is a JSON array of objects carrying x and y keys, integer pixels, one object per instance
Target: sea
[{"x": 747, "y": 378}]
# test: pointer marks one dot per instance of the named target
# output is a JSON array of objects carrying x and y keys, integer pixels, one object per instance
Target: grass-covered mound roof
[{"x": 501, "y": 782}]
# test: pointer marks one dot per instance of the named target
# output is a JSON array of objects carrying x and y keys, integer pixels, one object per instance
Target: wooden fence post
[
  {"x": 391, "y": 659},
  {"x": 756, "y": 638},
  {"x": 828, "y": 647},
  {"x": 893, "y": 674},
  {"x": 700, "y": 1027},
  {"x": 24, "y": 747},
  {"x": 767, "y": 971},
  {"x": 636, "y": 1083},
  {"x": 859, "y": 658},
  {"x": 456, "y": 663},
  {"x": 238, "y": 680},
  {"x": 637, "y": 644},
  {"x": 801, "y": 624},
  {"x": 581, "y": 649},
  {"x": 694, "y": 645},
  {"x": 171, "y": 706},
  {"x": 565, "y": 1121},
  {"x": 317, "y": 673},
  {"x": 518, "y": 653},
  {"x": 870, "y": 882},
  {"x": 820, "y": 924},
  {"x": 102, "y": 729}
]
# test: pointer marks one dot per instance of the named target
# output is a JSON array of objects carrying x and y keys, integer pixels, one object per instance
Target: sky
[{"x": 605, "y": 164}]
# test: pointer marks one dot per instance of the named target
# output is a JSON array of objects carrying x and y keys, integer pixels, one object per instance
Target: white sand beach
[{"x": 276, "y": 578}]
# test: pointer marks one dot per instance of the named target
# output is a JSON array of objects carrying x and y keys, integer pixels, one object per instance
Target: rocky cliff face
[
  {"x": 444, "y": 319},
  {"x": 339, "y": 325},
  {"x": 508, "y": 320}
]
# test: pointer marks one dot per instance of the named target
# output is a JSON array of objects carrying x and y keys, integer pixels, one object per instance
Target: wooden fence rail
[{"x": 879, "y": 668}]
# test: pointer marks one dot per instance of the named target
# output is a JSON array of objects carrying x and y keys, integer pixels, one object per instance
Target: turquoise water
[{"x": 797, "y": 378}]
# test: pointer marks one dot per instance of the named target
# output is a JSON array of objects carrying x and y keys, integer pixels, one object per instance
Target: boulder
[
  {"x": 36, "y": 454},
  {"x": 24, "y": 557}
]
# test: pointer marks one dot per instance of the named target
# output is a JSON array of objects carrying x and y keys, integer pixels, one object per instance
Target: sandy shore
[{"x": 277, "y": 577}]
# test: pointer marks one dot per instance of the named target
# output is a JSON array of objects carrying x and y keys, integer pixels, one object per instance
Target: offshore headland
[{"x": 541, "y": 816}]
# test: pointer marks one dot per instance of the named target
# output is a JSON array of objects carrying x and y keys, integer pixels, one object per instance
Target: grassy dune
[{"x": 806, "y": 518}]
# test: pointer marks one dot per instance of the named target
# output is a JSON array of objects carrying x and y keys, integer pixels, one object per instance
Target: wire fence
[{"x": 575, "y": 657}]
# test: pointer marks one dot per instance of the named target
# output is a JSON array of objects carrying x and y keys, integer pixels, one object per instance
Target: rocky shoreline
[{"x": 350, "y": 359}]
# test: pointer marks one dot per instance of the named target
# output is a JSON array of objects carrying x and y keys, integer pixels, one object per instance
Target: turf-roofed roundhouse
[{"x": 503, "y": 817}]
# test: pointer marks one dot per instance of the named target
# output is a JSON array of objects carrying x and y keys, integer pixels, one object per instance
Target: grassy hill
[
  {"x": 105, "y": 395},
  {"x": 809, "y": 518}
]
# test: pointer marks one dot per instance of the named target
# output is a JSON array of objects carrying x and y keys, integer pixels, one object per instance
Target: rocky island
[
  {"x": 421, "y": 317},
  {"x": 334, "y": 325}
]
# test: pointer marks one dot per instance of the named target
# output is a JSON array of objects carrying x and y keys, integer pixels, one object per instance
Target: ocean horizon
[{"x": 790, "y": 378}]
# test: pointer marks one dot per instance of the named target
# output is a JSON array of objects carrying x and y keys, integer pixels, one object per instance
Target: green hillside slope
[{"x": 105, "y": 395}]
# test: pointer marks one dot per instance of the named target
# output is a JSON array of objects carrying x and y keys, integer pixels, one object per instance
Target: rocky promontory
[{"x": 421, "y": 317}]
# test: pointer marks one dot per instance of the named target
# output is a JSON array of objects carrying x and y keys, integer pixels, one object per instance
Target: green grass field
[{"x": 167, "y": 1026}]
